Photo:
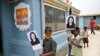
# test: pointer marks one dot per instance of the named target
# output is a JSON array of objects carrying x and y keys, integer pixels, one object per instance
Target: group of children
[
  {"x": 75, "y": 42},
  {"x": 76, "y": 39}
]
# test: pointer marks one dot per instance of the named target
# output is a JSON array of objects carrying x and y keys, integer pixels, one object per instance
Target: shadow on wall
[{"x": 1, "y": 48}]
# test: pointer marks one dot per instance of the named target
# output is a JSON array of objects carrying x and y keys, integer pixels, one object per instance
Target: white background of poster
[
  {"x": 66, "y": 21},
  {"x": 37, "y": 46}
]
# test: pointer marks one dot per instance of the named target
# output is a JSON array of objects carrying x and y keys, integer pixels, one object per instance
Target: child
[
  {"x": 49, "y": 45},
  {"x": 71, "y": 35},
  {"x": 77, "y": 43},
  {"x": 85, "y": 36}
]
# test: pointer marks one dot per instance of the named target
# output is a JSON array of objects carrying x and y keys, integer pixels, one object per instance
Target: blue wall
[
  {"x": 61, "y": 39},
  {"x": 81, "y": 22},
  {"x": 97, "y": 19},
  {"x": 86, "y": 20},
  {"x": 15, "y": 42},
  {"x": 6, "y": 26}
]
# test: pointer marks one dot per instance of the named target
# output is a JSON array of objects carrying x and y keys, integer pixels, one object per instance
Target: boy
[
  {"x": 69, "y": 42},
  {"x": 49, "y": 45},
  {"x": 85, "y": 36}
]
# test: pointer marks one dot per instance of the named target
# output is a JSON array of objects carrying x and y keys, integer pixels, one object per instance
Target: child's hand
[
  {"x": 79, "y": 46},
  {"x": 87, "y": 35}
]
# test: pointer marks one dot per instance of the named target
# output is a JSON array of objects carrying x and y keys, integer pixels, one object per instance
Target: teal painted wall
[
  {"x": 86, "y": 20},
  {"x": 61, "y": 39},
  {"x": 97, "y": 19},
  {"x": 81, "y": 22}
]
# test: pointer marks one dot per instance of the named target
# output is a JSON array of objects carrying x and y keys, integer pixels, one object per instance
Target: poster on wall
[
  {"x": 22, "y": 15},
  {"x": 34, "y": 40},
  {"x": 70, "y": 22}
]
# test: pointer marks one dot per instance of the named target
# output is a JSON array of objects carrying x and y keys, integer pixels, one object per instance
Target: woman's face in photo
[
  {"x": 33, "y": 36},
  {"x": 70, "y": 20}
]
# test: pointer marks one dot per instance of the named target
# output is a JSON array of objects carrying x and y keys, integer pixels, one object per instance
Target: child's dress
[{"x": 76, "y": 50}]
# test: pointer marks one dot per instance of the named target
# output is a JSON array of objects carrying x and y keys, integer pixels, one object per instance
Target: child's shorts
[{"x": 85, "y": 40}]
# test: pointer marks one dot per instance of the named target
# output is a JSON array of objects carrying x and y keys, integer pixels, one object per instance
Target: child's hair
[
  {"x": 85, "y": 27},
  {"x": 77, "y": 28},
  {"x": 72, "y": 31},
  {"x": 91, "y": 18},
  {"x": 48, "y": 29}
]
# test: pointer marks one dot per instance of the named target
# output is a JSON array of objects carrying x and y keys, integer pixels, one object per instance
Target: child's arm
[
  {"x": 82, "y": 33},
  {"x": 79, "y": 46},
  {"x": 87, "y": 34}
]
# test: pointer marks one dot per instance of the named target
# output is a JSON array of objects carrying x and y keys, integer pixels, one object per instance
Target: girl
[{"x": 77, "y": 43}]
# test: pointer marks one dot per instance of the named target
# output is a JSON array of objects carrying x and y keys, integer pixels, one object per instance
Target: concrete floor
[
  {"x": 94, "y": 46},
  {"x": 63, "y": 51}
]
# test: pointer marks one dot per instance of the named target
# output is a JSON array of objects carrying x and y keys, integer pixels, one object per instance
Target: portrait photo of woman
[
  {"x": 70, "y": 22},
  {"x": 33, "y": 39}
]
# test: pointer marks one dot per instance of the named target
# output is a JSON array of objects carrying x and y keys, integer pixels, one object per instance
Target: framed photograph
[{"x": 22, "y": 15}]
